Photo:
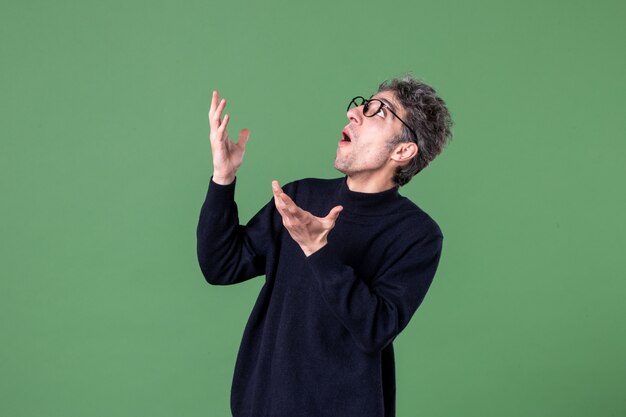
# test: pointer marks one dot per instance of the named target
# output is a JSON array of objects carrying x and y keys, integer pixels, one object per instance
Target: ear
[{"x": 404, "y": 152}]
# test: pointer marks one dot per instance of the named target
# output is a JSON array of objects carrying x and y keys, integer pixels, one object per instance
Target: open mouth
[{"x": 345, "y": 136}]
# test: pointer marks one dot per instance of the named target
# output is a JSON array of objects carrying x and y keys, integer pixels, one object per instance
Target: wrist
[
  {"x": 311, "y": 249},
  {"x": 222, "y": 179}
]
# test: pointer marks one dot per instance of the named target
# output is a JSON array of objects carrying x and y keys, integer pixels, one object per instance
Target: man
[{"x": 347, "y": 261}]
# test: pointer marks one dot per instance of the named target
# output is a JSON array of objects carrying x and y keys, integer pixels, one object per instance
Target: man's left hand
[{"x": 309, "y": 231}]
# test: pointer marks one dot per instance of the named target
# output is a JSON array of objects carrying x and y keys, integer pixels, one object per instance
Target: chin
[{"x": 338, "y": 167}]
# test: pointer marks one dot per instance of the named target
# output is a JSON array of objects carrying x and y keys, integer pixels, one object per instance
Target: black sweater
[{"x": 319, "y": 339}]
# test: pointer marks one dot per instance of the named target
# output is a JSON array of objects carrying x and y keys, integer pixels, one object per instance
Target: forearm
[
  {"x": 377, "y": 312},
  {"x": 223, "y": 255}
]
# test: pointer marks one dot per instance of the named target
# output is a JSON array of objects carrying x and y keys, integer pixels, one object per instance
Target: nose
[{"x": 355, "y": 114}]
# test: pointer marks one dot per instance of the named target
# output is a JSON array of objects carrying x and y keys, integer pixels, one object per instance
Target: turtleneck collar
[{"x": 367, "y": 203}]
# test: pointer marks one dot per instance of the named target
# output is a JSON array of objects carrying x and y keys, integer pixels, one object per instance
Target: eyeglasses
[{"x": 371, "y": 107}]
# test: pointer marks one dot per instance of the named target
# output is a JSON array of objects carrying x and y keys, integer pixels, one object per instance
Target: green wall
[{"x": 105, "y": 160}]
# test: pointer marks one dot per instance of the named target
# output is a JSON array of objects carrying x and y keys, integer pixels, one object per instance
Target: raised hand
[
  {"x": 227, "y": 155},
  {"x": 309, "y": 231}
]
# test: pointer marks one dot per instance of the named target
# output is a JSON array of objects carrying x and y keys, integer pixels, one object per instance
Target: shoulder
[
  {"x": 415, "y": 218},
  {"x": 417, "y": 237}
]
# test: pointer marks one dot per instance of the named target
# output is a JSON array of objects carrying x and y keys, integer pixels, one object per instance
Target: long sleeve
[
  {"x": 375, "y": 314},
  {"x": 229, "y": 253},
  {"x": 319, "y": 337}
]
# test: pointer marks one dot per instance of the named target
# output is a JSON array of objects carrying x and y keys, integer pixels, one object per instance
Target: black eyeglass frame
[{"x": 366, "y": 103}]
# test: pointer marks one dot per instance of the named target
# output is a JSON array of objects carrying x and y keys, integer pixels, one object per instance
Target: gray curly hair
[{"x": 428, "y": 115}]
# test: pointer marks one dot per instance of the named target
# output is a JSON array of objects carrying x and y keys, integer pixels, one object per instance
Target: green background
[{"x": 105, "y": 160}]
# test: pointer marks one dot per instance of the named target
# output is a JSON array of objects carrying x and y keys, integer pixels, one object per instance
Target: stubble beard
[
  {"x": 343, "y": 163},
  {"x": 349, "y": 165}
]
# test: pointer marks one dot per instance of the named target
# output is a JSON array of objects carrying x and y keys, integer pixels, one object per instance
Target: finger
[
  {"x": 217, "y": 116},
  {"x": 281, "y": 210},
  {"x": 214, "y": 101},
  {"x": 282, "y": 202},
  {"x": 279, "y": 207},
  {"x": 276, "y": 187},
  {"x": 292, "y": 209},
  {"x": 222, "y": 127},
  {"x": 276, "y": 191},
  {"x": 281, "y": 195},
  {"x": 290, "y": 206}
]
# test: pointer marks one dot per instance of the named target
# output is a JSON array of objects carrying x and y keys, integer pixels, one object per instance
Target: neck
[{"x": 369, "y": 184}]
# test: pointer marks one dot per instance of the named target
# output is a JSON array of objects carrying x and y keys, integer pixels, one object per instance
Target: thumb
[
  {"x": 244, "y": 135},
  {"x": 334, "y": 213}
]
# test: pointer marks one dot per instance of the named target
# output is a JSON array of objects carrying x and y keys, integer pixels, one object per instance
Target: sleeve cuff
[{"x": 220, "y": 196}]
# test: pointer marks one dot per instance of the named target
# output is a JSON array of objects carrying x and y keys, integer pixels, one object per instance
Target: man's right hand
[{"x": 227, "y": 155}]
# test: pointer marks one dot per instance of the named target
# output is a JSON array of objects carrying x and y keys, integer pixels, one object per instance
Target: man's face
[{"x": 363, "y": 149}]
